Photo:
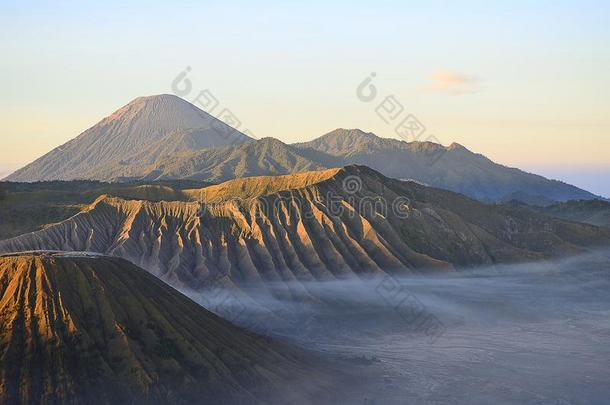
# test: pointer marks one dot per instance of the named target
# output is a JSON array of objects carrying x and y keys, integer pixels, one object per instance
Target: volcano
[
  {"x": 86, "y": 328},
  {"x": 143, "y": 131}
]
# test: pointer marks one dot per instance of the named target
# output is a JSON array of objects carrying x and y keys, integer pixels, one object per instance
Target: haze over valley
[
  {"x": 316, "y": 203},
  {"x": 343, "y": 273}
]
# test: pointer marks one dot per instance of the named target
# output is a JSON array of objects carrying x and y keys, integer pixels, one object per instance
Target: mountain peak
[
  {"x": 163, "y": 111},
  {"x": 78, "y": 315},
  {"x": 270, "y": 140},
  {"x": 153, "y": 97},
  {"x": 350, "y": 132},
  {"x": 456, "y": 146},
  {"x": 141, "y": 132},
  {"x": 348, "y": 141},
  {"x": 350, "y": 135},
  {"x": 160, "y": 101}
]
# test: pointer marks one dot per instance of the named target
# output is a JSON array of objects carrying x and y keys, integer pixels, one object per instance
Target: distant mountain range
[
  {"x": 165, "y": 137},
  {"x": 78, "y": 328},
  {"x": 317, "y": 225},
  {"x": 453, "y": 168},
  {"x": 205, "y": 208},
  {"x": 594, "y": 212}
]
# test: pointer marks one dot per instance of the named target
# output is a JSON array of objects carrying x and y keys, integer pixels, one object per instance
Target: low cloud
[{"x": 451, "y": 82}]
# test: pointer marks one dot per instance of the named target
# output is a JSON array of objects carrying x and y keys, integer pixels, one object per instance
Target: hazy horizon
[
  {"x": 483, "y": 75},
  {"x": 584, "y": 177},
  {"x": 345, "y": 202}
]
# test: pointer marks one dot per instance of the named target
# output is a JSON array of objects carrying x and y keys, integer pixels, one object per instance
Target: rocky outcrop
[{"x": 312, "y": 226}]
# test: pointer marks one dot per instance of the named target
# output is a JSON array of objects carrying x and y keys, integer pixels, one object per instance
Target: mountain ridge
[
  {"x": 310, "y": 226},
  {"x": 165, "y": 137},
  {"x": 266, "y": 156},
  {"x": 453, "y": 167}
]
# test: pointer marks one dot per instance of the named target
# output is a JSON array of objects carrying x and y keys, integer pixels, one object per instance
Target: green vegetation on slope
[
  {"x": 594, "y": 212},
  {"x": 27, "y": 207}
]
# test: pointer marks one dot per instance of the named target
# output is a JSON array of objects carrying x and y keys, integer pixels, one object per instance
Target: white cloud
[{"x": 451, "y": 82}]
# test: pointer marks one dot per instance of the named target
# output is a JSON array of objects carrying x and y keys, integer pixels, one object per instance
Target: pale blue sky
[{"x": 525, "y": 84}]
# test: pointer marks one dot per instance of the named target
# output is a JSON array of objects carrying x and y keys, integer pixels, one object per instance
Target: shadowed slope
[
  {"x": 323, "y": 228},
  {"x": 267, "y": 156},
  {"x": 165, "y": 137},
  {"x": 594, "y": 212},
  {"x": 82, "y": 329},
  {"x": 452, "y": 168}
]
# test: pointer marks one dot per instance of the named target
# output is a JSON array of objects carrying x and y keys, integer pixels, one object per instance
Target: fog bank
[{"x": 528, "y": 333}]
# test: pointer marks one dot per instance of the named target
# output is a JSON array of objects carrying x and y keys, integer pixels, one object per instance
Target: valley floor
[{"x": 527, "y": 334}]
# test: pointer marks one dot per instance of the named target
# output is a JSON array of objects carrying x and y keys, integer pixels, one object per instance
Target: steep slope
[
  {"x": 165, "y": 137},
  {"x": 27, "y": 207},
  {"x": 92, "y": 329},
  {"x": 146, "y": 129},
  {"x": 256, "y": 186},
  {"x": 267, "y": 156},
  {"x": 452, "y": 168},
  {"x": 321, "y": 225}
]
